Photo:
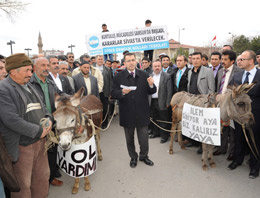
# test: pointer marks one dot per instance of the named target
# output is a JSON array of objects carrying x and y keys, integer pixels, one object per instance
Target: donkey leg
[
  {"x": 100, "y": 158},
  {"x": 87, "y": 184},
  {"x": 172, "y": 139},
  {"x": 210, "y": 156},
  {"x": 204, "y": 157},
  {"x": 180, "y": 138},
  {"x": 75, "y": 188}
]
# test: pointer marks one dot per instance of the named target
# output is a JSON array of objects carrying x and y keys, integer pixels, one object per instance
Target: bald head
[{"x": 41, "y": 66}]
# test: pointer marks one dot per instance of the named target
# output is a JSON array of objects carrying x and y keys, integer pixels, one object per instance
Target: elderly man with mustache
[{"x": 47, "y": 89}]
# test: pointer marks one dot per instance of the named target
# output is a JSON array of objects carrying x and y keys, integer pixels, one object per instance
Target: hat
[
  {"x": 17, "y": 60},
  {"x": 163, "y": 54}
]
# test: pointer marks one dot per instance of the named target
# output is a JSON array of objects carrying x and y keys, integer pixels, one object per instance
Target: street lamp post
[
  {"x": 180, "y": 34},
  {"x": 71, "y": 46},
  {"x": 232, "y": 38},
  {"x": 27, "y": 49},
  {"x": 11, "y": 43}
]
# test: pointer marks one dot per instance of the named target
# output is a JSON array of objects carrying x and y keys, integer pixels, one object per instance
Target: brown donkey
[{"x": 235, "y": 104}]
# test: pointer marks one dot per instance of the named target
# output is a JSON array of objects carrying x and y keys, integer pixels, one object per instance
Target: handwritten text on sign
[
  {"x": 201, "y": 124},
  {"x": 80, "y": 160},
  {"x": 132, "y": 40}
]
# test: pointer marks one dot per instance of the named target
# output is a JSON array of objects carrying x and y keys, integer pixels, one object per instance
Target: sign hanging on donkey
[
  {"x": 201, "y": 124},
  {"x": 80, "y": 160}
]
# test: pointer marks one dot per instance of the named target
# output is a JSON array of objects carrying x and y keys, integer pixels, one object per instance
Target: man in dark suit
[
  {"x": 251, "y": 74},
  {"x": 86, "y": 80},
  {"x": 105, "y": 94},
  {"x": 166, "y": 65},
  {"x": 132, "y": 87},
  {"x": 161, "y": 101},
  {"x": 62, "y": 82},
  {"x": 215, "y": 60},
  {"x": 224, "y": 77},
  {"x": 180, "y": 75}
]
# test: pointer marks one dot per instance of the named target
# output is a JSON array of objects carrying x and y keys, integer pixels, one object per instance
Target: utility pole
[
  {"x": 180, "y": 34},
  {"x": 11, "y": 43},
  {"x": 27, "y": 49},
  {"x": 71, "y": 46}
]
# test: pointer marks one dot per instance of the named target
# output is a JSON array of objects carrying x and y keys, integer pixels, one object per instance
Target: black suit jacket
[
  {"x": 254, "y": 93},
  {"x": 66, "y": 87},
  {"x": 183, "y": 82},
  {"x": 134, "y": 106},
  {"x": 216, "y": 78}
]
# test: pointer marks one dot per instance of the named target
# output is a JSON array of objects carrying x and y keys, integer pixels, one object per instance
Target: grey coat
[
  {"x": 13, "y": 105},
  {"x": 79, "y": 82},
  {"x": 206, "y": 80},
  {"x": 220, "y": 74},
  {"x": 164, "y": 91}
]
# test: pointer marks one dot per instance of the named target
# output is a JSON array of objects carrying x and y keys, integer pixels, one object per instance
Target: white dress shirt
[
  {"x": 57, "y": 81},
  {"x": 251, "y": 76},
  {"x": 156, "y": 78}
]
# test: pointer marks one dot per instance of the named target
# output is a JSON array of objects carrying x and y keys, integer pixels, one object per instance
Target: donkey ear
[
  {"x": 79, "y": 93},
  {"x": 249, "y": 87},
  {"x": 75, "y": 99}
]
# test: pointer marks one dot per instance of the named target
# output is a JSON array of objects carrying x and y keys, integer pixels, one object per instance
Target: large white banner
[
  {"x": 80, "y": 160},
  {"x": 131, "y": 40},
  {"x": 201, "y": 124}
]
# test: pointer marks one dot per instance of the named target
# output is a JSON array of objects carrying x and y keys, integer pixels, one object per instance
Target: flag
[{"x": 215, "y": 37}]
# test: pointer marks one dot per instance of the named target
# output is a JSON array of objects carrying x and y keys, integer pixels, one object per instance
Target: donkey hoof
[
  {"x": 87, "y": 187},
  {"x": 100, "y": 158},
  {"x": 212, "y": 165},
  {"x": 205, "y": 167},
  {"x": 75, "y": 190},
  {"x": 171, "y": 152}
]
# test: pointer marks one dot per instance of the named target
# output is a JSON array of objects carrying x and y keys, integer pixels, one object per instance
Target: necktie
[
  {"x": 247, "y": 79},
  {"x": 164, "y": 69},
  {"x": 132, "y": 74},
  {"x": 179, "y": 78},
  {"x": 222, "y": 81}
]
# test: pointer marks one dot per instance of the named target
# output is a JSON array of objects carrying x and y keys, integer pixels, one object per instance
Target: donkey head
[
  {"x": 67, "y": 118},
  {"x": 239, "y": 104}
]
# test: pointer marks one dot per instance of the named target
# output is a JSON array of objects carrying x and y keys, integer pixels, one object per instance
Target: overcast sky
[{"x": 63, "y": 22}]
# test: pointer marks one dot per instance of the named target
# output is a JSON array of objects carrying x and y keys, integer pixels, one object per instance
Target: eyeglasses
[
  {"x": 71, "y": 57},
  {"x": 242, "y": 59}
]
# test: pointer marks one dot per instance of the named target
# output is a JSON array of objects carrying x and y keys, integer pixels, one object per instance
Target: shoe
[
  {"x": 230, "y": 157},
  {"x": 253, "y": 173},
  {"x": 233, "y": 165},
  {"x": 163, "y": 140},
  {"x": 133, "y": 163},
  {"x": 216, "y": 153},
  {"x": 58, "y": 174},
  {"x": 153, "y": 136},
  {"x": 56, "y": 182},
  {"x": 199, "y": 151},
  {"x": 147, "y": 161}
]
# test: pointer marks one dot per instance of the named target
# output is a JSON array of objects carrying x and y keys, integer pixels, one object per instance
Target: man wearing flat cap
[{"x": 21, "y": 112}]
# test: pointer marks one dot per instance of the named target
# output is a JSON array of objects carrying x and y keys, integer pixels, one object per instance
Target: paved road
[{"x": 177, "y": 175}]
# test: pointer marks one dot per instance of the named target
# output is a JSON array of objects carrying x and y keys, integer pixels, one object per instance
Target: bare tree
[{"x": 11, "y": 7}]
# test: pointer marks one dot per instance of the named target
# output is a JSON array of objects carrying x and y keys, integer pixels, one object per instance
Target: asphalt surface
[{"x": 177, "y": 175}]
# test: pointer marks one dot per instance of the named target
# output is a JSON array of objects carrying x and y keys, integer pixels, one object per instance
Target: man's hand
[
  {"x": 125, "y": 91},
  {"x": 150, "y": 81},
  {"x": 46, "y": 130}
]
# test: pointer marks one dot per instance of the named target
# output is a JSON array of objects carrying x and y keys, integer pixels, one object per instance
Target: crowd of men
[{"x": 28, "y": 87}]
